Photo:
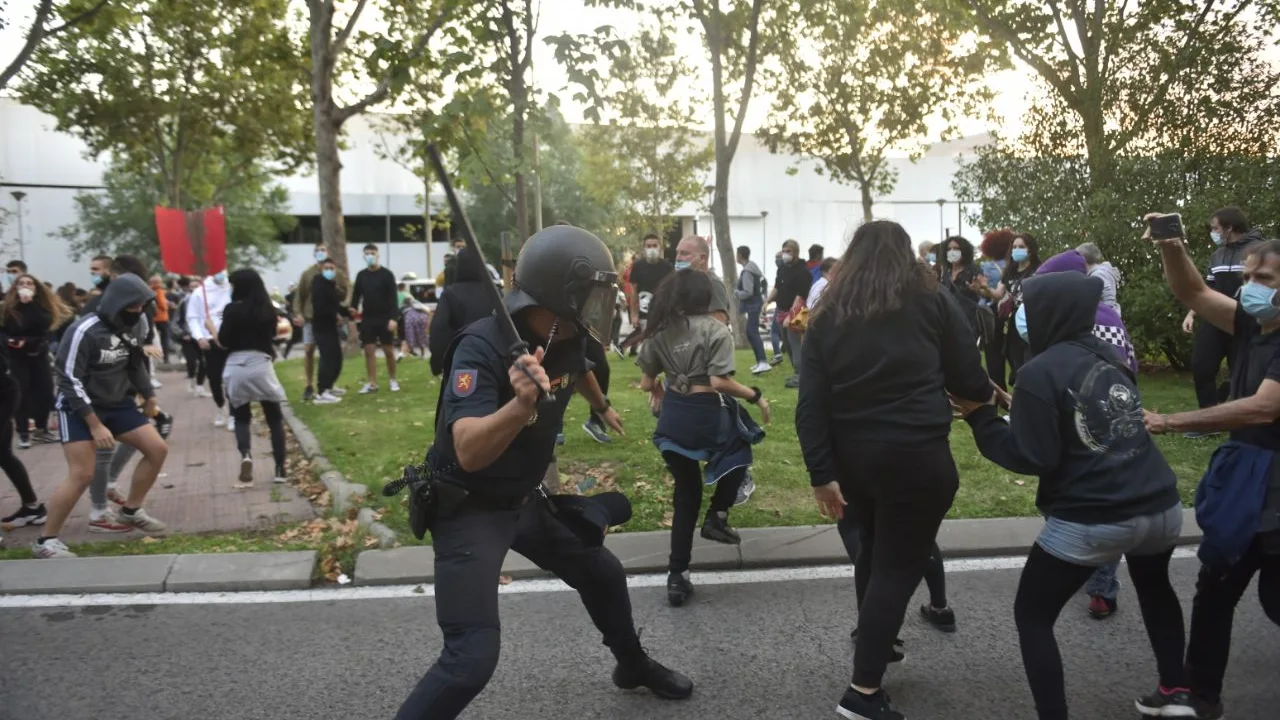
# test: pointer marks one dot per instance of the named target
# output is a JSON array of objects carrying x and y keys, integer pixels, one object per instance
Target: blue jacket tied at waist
[
  {"x": 1230, "y": 500},
  {"x": 710, "y": 428}
]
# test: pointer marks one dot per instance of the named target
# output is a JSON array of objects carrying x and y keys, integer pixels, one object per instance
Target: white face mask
[
  {"x": 651, "y": 253},
  {"x": 786, "y": 257},
  {"x": 953, "y": 256},
  {"x": 25, "y": 293}
]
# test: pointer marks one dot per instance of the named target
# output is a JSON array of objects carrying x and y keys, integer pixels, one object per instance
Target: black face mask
[{"x": 129, "y": 318}]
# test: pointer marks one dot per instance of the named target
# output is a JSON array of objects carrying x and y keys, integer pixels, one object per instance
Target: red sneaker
[
  {"x": 108, "y": 524},
  {"x": 1101, "y": 608}
]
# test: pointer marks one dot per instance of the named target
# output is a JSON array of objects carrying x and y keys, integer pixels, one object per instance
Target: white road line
[{"x": 738, "y": 577}]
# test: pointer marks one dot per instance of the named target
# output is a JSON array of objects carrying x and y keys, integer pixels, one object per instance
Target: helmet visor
[{"x": 596, "y": 316}]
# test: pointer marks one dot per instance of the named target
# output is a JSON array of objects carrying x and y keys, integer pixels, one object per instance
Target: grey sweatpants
[{"x": 107, "y": 466}]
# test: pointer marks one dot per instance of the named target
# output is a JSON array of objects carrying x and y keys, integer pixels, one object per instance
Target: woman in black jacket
[
  {"x": 248, "y": 334},
  {"x": 883, "y": 348},
  {"x": 30, "y": 311},
  {"x": 462, "y": 302},
  {"x": 962, "y": 277}
]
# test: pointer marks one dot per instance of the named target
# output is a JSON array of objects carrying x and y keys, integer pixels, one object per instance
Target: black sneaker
[
  {"x": 898, "y": 653},
  {"x": 597, "y": 430},
  {"x": 776, "y": 360},
  {"x": 1161, "y": 704},
  {"x": 308, "y": 394},
  {"x": 644, "y": 671},
  {"x": 25, "y": 516},
  {"x": 679, "y": 588},
  {"x": 24, "y": 441},
  {"x": 856, "y": 706},
  {"x": 1207, "y": 710},
  {"x": 944, "y": 619},
  {"x": 716, "y": 529},
  {"x": 792, "y": 382},
  {"x": 164, "y": 424}
]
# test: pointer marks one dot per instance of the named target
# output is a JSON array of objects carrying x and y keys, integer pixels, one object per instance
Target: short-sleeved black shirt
[
  {"x": 645, "y": 278},
  {"x": 476, "y": 385},
  {"x": 1258, "y": 359}
]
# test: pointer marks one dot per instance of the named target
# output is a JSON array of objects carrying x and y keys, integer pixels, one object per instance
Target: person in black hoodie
[
  {"x": 31, "y": 511},
  {"x": 463, "y": 301},
  {"x": 29, "y": 313},
  {"x": 327, "y": 312},
  {"x": 883, "y": 347},
  {"x": 1105, "y": 489},
  {"x": 248, "y": 333}
]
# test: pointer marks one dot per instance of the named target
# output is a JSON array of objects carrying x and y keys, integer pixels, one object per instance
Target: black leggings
[
  {"x": 195, "y": 361},
  {"x": 1047, "y": 584},
  {"x": 34, "y": 376},
  {"x": 688, "y": 501},
  {"x": 329, "y": 345},
  {"x": 215, "y": 360},
  {"x": 275, "y": 422},
  {"x": 1015, "y": 352},
  {"x": 934, "y": 576},
  {"x": 12, "y": 466},
  {"x": 1211, "y": 347}
]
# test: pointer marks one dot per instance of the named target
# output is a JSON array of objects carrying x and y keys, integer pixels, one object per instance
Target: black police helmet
[{"x": 558, "y": 268}]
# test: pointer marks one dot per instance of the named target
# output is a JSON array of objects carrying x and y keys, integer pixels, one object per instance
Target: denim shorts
[
  {"x": 308, "y": 334},
  {"x": 1094, "y": 545}
]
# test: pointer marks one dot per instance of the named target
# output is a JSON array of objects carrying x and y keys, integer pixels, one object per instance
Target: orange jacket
[{"x": 162, "y": 306}]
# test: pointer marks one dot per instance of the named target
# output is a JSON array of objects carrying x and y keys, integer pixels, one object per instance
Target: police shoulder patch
[{"x": 464, "y": 382}]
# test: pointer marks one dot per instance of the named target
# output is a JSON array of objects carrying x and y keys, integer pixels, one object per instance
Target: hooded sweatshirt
[
  {"x": 468, "y": 299},
  {"x": 209, "y": 300},
  {"x": 1077, "y": 416},
  {"x": 1110, "y": 277},
  {"x": 100, "y": 362},
  {"x": 1226, "y": 264},
  {"x": 1107, "y": 325}
]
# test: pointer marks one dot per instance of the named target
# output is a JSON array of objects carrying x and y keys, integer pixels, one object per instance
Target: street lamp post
[
  {"x": 942, "y": 233},
  {"x": 764, "y": 234},
  {"x": 22, "y": 242},
  {"x": 710, "y": 190}
]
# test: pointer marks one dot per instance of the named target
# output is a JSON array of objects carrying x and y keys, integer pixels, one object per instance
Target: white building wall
[{"x": 805, "y": 206}]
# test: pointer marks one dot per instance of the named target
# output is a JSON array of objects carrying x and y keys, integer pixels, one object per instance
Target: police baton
[{"x": 516, "y": 346}]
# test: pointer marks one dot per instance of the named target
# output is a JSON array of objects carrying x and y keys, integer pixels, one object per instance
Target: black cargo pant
[
  {"x": 1212, "y": 346},
  {"x": 469, "y": 548}
]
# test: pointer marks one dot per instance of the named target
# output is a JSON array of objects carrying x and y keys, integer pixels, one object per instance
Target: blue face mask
[
  {"x": 933, "y": 258},
  {"x": 330, "y": 274},
  {"x": 1259, "y": 301},
  {"x": 321, "y": 256},
  {"x": 97, "y": 280},
  {"x": 683, "y": 264},
  {"x": 1020, "y": 322},
  {"x": 370, "y": 260},
  {"x": 1019, "y": 255},
  {"x": 1216, "y": 237},
  {"x": 220, "y": 278}
]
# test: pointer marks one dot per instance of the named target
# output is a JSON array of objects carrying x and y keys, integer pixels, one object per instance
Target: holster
[{"x": 430, "y": 498}]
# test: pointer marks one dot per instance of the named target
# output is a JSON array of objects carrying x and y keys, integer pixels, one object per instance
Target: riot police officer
[{"x": 494, "y": 440}]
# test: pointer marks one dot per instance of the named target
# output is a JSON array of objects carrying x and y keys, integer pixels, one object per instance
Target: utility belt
[{"x": 432, "y": 495}]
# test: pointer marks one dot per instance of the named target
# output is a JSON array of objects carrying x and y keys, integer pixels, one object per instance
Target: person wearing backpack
[
  {"x": 1238, "y": 500},
  {"x": 750, "y": 294},
  {"x": 1076, "y": 422}
]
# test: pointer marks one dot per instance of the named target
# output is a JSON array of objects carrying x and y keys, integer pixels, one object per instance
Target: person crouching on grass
[
  {"x": 1076, "y": 421},
  {"x": 100, "y": 367},
  {"x": 699, "y": 418}
]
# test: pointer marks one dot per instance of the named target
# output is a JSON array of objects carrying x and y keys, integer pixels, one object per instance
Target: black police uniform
[{"x": 502, "y": 511}]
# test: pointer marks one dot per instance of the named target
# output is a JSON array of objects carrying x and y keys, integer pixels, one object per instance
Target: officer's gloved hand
[{"x": 528, "y": 378}]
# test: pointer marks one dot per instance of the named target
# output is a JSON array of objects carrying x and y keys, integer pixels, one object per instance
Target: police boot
[{"x": 636, "y": 669}]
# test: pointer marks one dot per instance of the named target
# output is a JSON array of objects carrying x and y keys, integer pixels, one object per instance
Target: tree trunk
[
  {"x": 724, "y": 245},
  {"x": 327, "y": 127},
  {"x": 867, "y": 201}
]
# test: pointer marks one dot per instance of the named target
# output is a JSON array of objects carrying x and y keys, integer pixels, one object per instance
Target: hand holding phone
[{"x": 1164, "y": 226}]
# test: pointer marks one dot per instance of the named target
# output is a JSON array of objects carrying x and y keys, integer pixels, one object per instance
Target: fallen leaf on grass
[
  {"x": 149, "y": 540},
  {"x": 666, "y": 520},
  {"x": 1019, "y": 483},
  {"x": 371, "y": 542}
]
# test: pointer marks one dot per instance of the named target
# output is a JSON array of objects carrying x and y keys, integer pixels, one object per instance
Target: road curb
[
  {"x": 207, "y": 572},
  {"x": 646, "y": 552}
]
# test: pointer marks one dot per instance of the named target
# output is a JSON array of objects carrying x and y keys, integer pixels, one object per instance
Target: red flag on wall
[{"x": 194, "y": 242}]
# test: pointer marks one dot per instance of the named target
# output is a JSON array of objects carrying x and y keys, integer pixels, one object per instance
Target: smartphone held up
[{"x": 1165, "y": 227}]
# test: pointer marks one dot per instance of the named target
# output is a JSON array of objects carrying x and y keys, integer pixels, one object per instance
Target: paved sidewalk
[{"x": 194, "y": 492}]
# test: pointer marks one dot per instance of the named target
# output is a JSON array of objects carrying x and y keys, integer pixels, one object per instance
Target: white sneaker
[
  {"x": 246, "y": 474},
  {"x": 326, "y": 398},
  {"x": 156, "y": 383},
  {"x": 280, "y": 480},
  {"x": 761, "y": 368},
  {"x": 395, "y": 385},
  {"x": 747, "y": 487},
  {"x": 142, "y": 521},
  {"x": 337, "y": 392},
  {"x": 51, "y": 548},
  {"x": 191, "y": 386},
  {"x": 219, "y": 420},
  {"x": 202, "y": 391},
  {"x": 368, "y": 388},
  {"x": 231, "y": 424}
]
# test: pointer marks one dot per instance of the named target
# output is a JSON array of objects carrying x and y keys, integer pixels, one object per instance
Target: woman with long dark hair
[
  {"x": 1021, "y": 263},
  {"x": 699, "y": 418},
  {"x": 248, "y": 333},
  {"x": 29, "y": 312},
  {"x": 885, "y": 346},
  {"x": 962, "y": 277},
  {"x": 31, "y": 511}
]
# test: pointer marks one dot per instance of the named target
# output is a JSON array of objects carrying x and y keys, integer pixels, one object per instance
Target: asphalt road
[{"x": 762, "y": 650}]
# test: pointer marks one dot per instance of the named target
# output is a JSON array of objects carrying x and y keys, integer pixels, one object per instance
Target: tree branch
[
  {"x": 383, "y": 90},
  {"x": 340, "y": 43},
  {"x": 475, "y": 152},
  {"x": 749, "y": 69},
  {"x": 1066, "y": 41},
  {"x": 1046, "y": 71},
  {"x": 34, "y": 36},
  {"x": 76, "y": 20}
]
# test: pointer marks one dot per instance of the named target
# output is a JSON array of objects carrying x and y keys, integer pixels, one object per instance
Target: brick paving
[{"x": 194, "y": 492}]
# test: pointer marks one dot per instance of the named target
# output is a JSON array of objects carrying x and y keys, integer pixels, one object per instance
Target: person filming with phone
[
  {"x": 1238, "y": 500},
  {"x": 1233, "y": 239}
]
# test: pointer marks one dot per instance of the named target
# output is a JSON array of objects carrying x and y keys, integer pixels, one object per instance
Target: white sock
[{"x": 95, "y": 514}]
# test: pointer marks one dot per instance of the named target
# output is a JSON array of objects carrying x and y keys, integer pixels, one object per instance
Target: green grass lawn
[{"x": 371, "y": 437}]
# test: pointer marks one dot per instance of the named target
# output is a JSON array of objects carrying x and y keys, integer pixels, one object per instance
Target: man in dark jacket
[
  {"x": 1230, "y": 231},
  {"x": 100, "y": 369},
  {"x": 328, "y": 314},
  {"x": 1237, "y": 504}
]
